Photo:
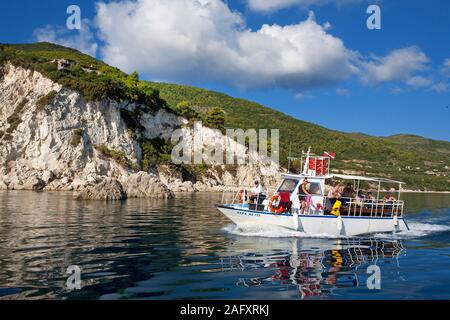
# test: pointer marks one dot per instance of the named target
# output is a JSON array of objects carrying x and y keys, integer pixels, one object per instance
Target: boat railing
[
  {"x": 377, "y": 208},
  {"x": 235, "y": 195},
  {"x": 370, "y": 207}
]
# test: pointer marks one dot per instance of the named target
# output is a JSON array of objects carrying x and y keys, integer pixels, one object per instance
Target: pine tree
[{"x": 215, "y": 118}]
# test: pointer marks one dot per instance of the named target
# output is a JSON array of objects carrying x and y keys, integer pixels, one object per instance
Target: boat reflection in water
[{"x": 315, "y": 267}]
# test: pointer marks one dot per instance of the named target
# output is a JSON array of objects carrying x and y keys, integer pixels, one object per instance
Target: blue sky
[{"x": 327, "y": 68}]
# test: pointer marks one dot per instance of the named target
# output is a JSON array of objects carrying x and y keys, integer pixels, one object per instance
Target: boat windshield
[
  {"x": 288, "y": 185},
  {"x": 314, "y": 188}
]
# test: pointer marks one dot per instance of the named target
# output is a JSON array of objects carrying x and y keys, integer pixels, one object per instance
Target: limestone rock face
[
  {"x": 107, "y": 189},
  {"x": 3, "y": 186},
  {"x": 56, "y": 146},
  {"x": 145, "y": 185},
  {"x": 33, "y": 183}
]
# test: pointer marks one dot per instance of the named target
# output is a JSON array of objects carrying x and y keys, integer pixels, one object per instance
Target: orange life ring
[{"x": 276, "y": 209}]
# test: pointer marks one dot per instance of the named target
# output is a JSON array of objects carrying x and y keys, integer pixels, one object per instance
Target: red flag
[
  {"x": 331, "y": 155},
  {"x": 319, "y": 165},
  {"x": 312, "y": 164}
]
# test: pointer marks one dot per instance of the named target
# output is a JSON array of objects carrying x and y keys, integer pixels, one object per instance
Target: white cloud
[
  {"x": 397, "y": 90},
  {"x": 404, "y": 65},
  {"x": 399, "y": 65},
  {"x": 82, "y": 40},
  {"x": 446, "y": 68},
  {"x": 271, "y": 5},
  {"x": 275, "y": 5},
  {"x": 342, "y": 92},
  {"x": 303, "y": 96},
  {"x": 204, "y": 40},
  {"x": 419, "y": 81},
  {"x": 441, "y": 87}
]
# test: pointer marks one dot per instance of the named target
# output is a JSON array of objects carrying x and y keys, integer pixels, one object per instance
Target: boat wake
[
  {"x": 417, "y": 230},
  {"x": 271, "y": 232}
]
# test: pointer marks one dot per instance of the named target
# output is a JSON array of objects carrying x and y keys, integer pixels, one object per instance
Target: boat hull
[{"x": 315, "y": 224}]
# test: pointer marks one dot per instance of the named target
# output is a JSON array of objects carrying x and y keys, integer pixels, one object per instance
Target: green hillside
[
  {"x": 397, "y": 157},
  {"x": 403, "y": 157}
]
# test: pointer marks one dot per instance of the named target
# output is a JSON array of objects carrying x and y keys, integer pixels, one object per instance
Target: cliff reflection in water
[{"x": 315, "y": 268}]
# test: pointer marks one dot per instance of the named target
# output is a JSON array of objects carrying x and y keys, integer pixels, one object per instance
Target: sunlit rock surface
[{"x": 55, "y": 146}]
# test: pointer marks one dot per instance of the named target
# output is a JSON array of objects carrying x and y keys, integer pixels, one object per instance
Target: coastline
[
  {"x": 437, "y": 192},
  {"x": 211, "y": 190}
]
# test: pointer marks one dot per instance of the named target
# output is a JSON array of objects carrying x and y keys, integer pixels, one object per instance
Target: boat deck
[{"x": 353, "y": 209}]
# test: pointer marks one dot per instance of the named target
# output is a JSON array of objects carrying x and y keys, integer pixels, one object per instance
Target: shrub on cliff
[
  {"x": 77, "y": 135},
  {"x": 45, "y": 100},
  {"x": 118, "y": 156},
  {"x": 215, "y": 118},
  {"x": 185, "y": 110},
  {"x": 155, "y": 151},
  {"x": 93, "y": 78},
  {"x": 15, "y": 119}
]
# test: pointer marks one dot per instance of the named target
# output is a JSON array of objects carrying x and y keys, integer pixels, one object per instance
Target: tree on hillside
[
  {"x": 133, "y": 80},
  {"x": 185, "y": 110},
  {"x": 135, "y": 75},
  {"x": 215, "y": 118}
]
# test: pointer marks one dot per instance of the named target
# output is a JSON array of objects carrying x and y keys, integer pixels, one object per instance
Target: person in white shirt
[
  {"x": 296, "y": 204},
  {"x": 255, "y": 192}
]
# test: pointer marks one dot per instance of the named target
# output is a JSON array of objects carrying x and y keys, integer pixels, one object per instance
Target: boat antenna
[{"x": 305, "y": 169}]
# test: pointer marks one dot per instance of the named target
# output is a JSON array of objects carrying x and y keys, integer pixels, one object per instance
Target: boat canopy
[
  {"x": 344, "y": 177},
  {"x": 361, "y": 178}
]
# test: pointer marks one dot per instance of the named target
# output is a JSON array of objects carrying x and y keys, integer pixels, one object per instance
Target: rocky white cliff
[{"x": 50, "y": 137}]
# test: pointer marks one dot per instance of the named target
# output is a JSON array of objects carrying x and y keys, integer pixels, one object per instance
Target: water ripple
[{"x": 184, "y": 249}]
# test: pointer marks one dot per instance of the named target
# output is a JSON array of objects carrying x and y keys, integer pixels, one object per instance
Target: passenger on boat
[
  {"x": 360, "y": 198},
  {"x": 304, "y": 193},
  {"x": 285, "y": 201},
  {"x": 334, "y": 194},
  {"x": 256, "y": 194},
  {"x": 370, "y": 198},
  {"x": 241, "y": 196},
  {"x": 296, "y": 204},
  {"x": 389, "y": 199},
  {"x": 349, "y": 193}
]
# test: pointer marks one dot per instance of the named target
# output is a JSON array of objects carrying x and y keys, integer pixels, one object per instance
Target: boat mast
[{"x": 306, "y": 168}]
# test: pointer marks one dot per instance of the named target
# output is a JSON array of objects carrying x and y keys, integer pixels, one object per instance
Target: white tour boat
[{"x": 318, "y": 215}]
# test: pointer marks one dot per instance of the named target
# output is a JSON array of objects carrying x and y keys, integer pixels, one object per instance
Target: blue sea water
[{"x": 184, "y": 249}]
